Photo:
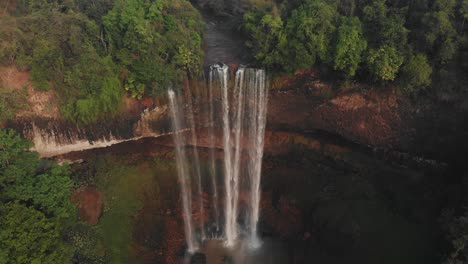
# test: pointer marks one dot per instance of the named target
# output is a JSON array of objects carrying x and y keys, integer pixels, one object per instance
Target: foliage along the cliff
[
  {"x": 35, "y": 205},
  {"x": 11, "y": 101},
  {"x": 91, "y": 52},
  {"x": 415, "y": 44},
  {"x": 153, "y": 40}
]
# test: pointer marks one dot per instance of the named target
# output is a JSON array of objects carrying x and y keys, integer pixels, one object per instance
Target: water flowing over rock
[{"x": 237, "y": 107}]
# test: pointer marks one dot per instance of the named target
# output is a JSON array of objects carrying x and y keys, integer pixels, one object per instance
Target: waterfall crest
[{"x": 236, "y": 108}]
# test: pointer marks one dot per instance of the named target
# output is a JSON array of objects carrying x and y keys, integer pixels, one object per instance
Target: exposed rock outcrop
[
  {"x": 377, "y": 118},
  {"x": 52, "y": 137},
  {"x": 302, "y": 104}
]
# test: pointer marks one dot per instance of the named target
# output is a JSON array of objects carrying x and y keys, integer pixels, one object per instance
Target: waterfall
[
  {"x": 243, "y": 115},
  {"x": 258, "y": 94},
  {"x": 196, "y": 161},
  {"x": 211, "y": 122},
  {"x": 230, "y": 226},
  {"x": 237, "y": 128},
  {"x": 183, "y": 173},
  {"x": 243, "y": 120}
]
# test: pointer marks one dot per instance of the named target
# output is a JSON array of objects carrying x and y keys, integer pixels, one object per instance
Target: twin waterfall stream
[{"x": 235, "y": 114}]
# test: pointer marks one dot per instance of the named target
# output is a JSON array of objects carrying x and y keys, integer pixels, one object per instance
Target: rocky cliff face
[
  {"x": 376, "y": 118},
  {"x": 52, "y": 137},
  {"x": 302, "y": 104}
]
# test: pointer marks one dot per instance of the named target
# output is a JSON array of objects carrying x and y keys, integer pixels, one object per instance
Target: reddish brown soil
[
  {"x": 45, "y": 104},
  {"x": 370, "y": 116},
  {"x": 89, "y": 202},
  {"x": 7, "y": 6},
  {"x": 40, "y": 103},
  {"x": 304, "y": 103}
]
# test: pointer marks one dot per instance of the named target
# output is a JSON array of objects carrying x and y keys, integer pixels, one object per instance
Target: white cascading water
[
  {"x": 237, "y": 129},
  {"x": 214, "y": 181},
  {"x": 196, "y": 162},
  {"x": 258, "y": 94},
  {"x": 183, "y": 173},
  {"x": 243, "y": 115},
  {"x": 244, "y": 121},
  {"x": 230, "y": 226}
]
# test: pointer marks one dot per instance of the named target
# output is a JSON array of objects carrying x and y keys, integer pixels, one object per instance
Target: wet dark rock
[
  {"x": 228, "y": 260},
  {"x": 198, "y": 258}
]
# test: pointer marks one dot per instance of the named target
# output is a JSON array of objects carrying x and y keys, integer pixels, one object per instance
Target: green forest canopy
[
  {"x": 411, "y": 43},
  {"x": 90, "y": 51},
  {"x": 35, "y": 205}
]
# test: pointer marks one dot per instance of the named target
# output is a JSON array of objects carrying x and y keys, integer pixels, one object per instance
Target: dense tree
[
  {"x": 49, "y": 191},
  {"x": 23, "y": 177},
  {"x": 464, "y": 12},
  {"x": 350, "y": 45},
  {"x": 88, "y": 51},
  {"x": 439, "y": 31},
  {"x": 384, "y": 63},
  {"x": 307, "y": 37},
  {"x": 15, "y": 163},
  {"x": 27, "y": 236},
  {"x": 11, "y": 101},
  {"x": 10, "y": 40},
  {"x": 373, "y": 16},
  {"x": 416, "y": 73},
  {"x": 265, "y": 31},
  {"x": 100, "y": 89},
  {"x": 34, "y": 205},
  {"x": 62, "y": 51},
  {"x": 384, "y": 25},
  {"x": 152, "y": 39},
  {"x": 144, "y": 46},
  {"x": 347, "y": 7},
  {"x": 420, "y": 43},
  {"x": 40, "y": 5},
  {"x": 398, "y": 33},
  {"x": 94, "y": 9}
]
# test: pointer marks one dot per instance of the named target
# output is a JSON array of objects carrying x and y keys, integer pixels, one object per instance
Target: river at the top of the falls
[{"x": 221, "y": 44}]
